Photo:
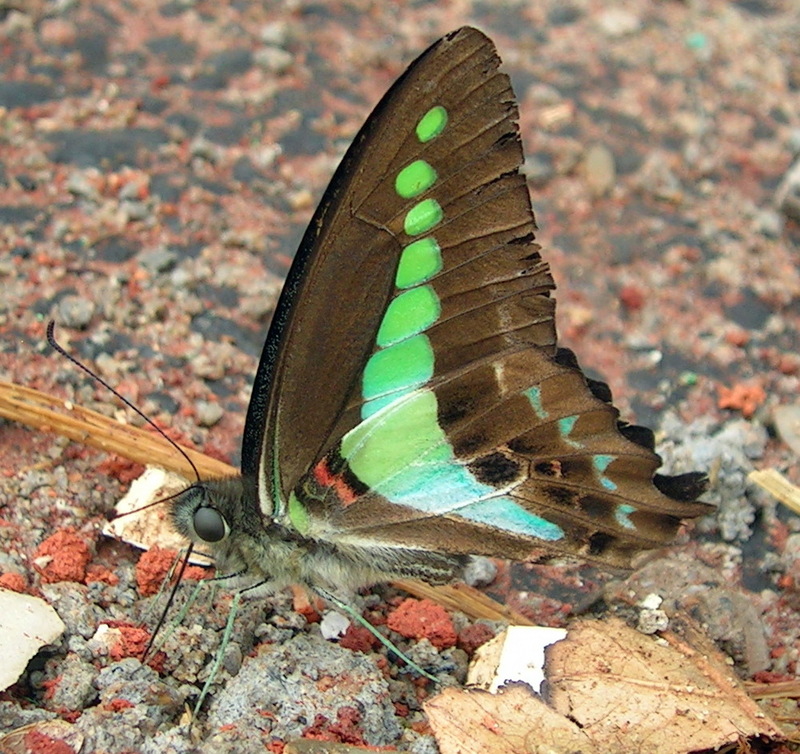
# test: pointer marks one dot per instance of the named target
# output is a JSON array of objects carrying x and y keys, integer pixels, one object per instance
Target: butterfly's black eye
[{"x": 209, "y": 525}]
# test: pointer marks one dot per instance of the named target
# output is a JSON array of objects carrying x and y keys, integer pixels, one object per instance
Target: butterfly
[{"x": 411, "y": 406}]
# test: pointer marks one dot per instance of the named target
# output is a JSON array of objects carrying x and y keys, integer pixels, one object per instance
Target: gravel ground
[{"x": 159, "y": 164}]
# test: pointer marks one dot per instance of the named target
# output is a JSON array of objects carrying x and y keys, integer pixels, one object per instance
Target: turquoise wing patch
[{"x": 402, "y": 454}]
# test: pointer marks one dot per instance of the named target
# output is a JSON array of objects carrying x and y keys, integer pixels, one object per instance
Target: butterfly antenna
[
  {"x": 170, "y": 600},
  {"x": 141, "y": 508},
  {"x": 51, "y": 339}
]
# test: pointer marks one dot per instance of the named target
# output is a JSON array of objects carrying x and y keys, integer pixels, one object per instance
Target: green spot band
[
  {"x": 432, "y": 124},
  {"x": 403, "y": 365},
  {"x": 404, "y": 455},
  {"x": 298, "y": 514},
  {"x": 381, "y": 447},
  {"x": 420, "y": 261},
  {"x": 422, "y": 217},
  {"x": 409, "y": 314},
  {"x": 368, "y": 408},
  {"x": 622, "y": 515},
  {"x": 601, "y": 463},
  {"x": 415, "y": 178},
  {"x": 565, "y": 427},
  {"x": 535, "y": 397},
  {"x": 504, "y": 513}
]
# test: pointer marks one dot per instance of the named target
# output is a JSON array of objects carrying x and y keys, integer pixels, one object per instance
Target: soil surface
[{"x": 160, "y": 161}]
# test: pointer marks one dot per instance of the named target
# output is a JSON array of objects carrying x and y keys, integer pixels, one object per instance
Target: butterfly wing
[
  {"x": 532, "y": 463},
  {"x": 416, "y": 399},
  {"x": 366, "y": 248}
]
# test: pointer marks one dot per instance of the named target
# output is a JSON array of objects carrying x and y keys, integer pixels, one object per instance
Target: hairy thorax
[{"x": 264, "y": 554}]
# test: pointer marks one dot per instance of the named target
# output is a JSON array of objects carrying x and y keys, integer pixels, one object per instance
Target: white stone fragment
[
  {"x": 652, "y": 601},
  {"x": 141, "y": 523},
  {"x": 333, "y": 625},
  {"x": 517, "y": 654},
  {"x": 26, "y": 625}
]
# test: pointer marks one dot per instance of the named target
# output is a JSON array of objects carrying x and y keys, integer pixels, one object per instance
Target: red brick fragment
[
  {"x": 63, "y": 556},
  {"x": 121, "y": 468},
  {"x": 117, "y": 705},
  {"x": 745, "y": 398},
  {"x": 101, "y": 573},
  {"x": 423, "y": 619},
  {"x": 152, "y": 569},
  {"x": 474, "y": 636},
  {"x": 50, "y": 686},
  {"x": 43, "y": 744},
  {"x": 13, "y": 581},
  {"x": 358, "y": 639},
  {"x": 132, "y": 643},
  {"x": 632, "y": 298},
  {"x": 345, "y": 730}
]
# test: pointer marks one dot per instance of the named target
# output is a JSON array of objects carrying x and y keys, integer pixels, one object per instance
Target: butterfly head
[
  {"x": 207, "y": 524},
  {"x": 207, "y": 512}
]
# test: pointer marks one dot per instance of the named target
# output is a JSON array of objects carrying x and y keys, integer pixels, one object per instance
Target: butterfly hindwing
[{"x": 525, "y": 470}]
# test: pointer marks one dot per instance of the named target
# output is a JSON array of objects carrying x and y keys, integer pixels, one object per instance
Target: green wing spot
[
  {"x": 621, "y": 514},
  {"x": 415, "y": 178},
  {"x": 432, "y": 124},
  {"x": 420, "y": 261},
  {"x": 601, "y": 463},
  {"x": 298, "y": 515},
  {"x": 403, "y": 365},
  {"x": 409, "y": 314},
  {"x": 403, "y": 454},
  {"x": 368, "y": 408},
  {"x": 386, "y": 444},
  {"x": 423, "y": 217},
  {"x": 534, "y": 395},
  {"x": 565, "y": 426}
]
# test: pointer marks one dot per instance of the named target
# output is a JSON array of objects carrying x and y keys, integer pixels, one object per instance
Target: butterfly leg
[
  {"x": 355, "y": 615},
  {"x": 153, "y": 645},
  {"x": 226, "y": 637}
]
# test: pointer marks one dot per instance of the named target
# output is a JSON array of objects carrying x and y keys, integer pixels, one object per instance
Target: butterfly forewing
[{"x": 308, "y": 391}]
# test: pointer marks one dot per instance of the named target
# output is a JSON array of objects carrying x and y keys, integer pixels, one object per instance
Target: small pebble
[
  {"x": 205, "y": 149},
  {"x": 787, "y": 425},
  {"x": 275, "y": 34},
  {"x": 79, "y": 184},
  {"x": 232, "y": 659},
  {"x": 208, "y": 414},
  {"x": 273, "y": 59},
  {"x": 599, "y": 169},
  {"x": 160, "y": 259},
  {"x": 652, "y": 621},
  {"x": 480, "y": 571},
  {"x": 769, "y": 223},
  {"x": 333, "y": 624},
  {"x": 136, "y": 210},
  {"x": 538, "y": 170},
  {"x": 617, "y": 22},
  {"x": 75, "y": 312}
]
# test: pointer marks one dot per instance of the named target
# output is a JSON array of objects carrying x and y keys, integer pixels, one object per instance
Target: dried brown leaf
[
  {"x": 513, "y": 721},
  {"x": 631, "y": 692}
]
